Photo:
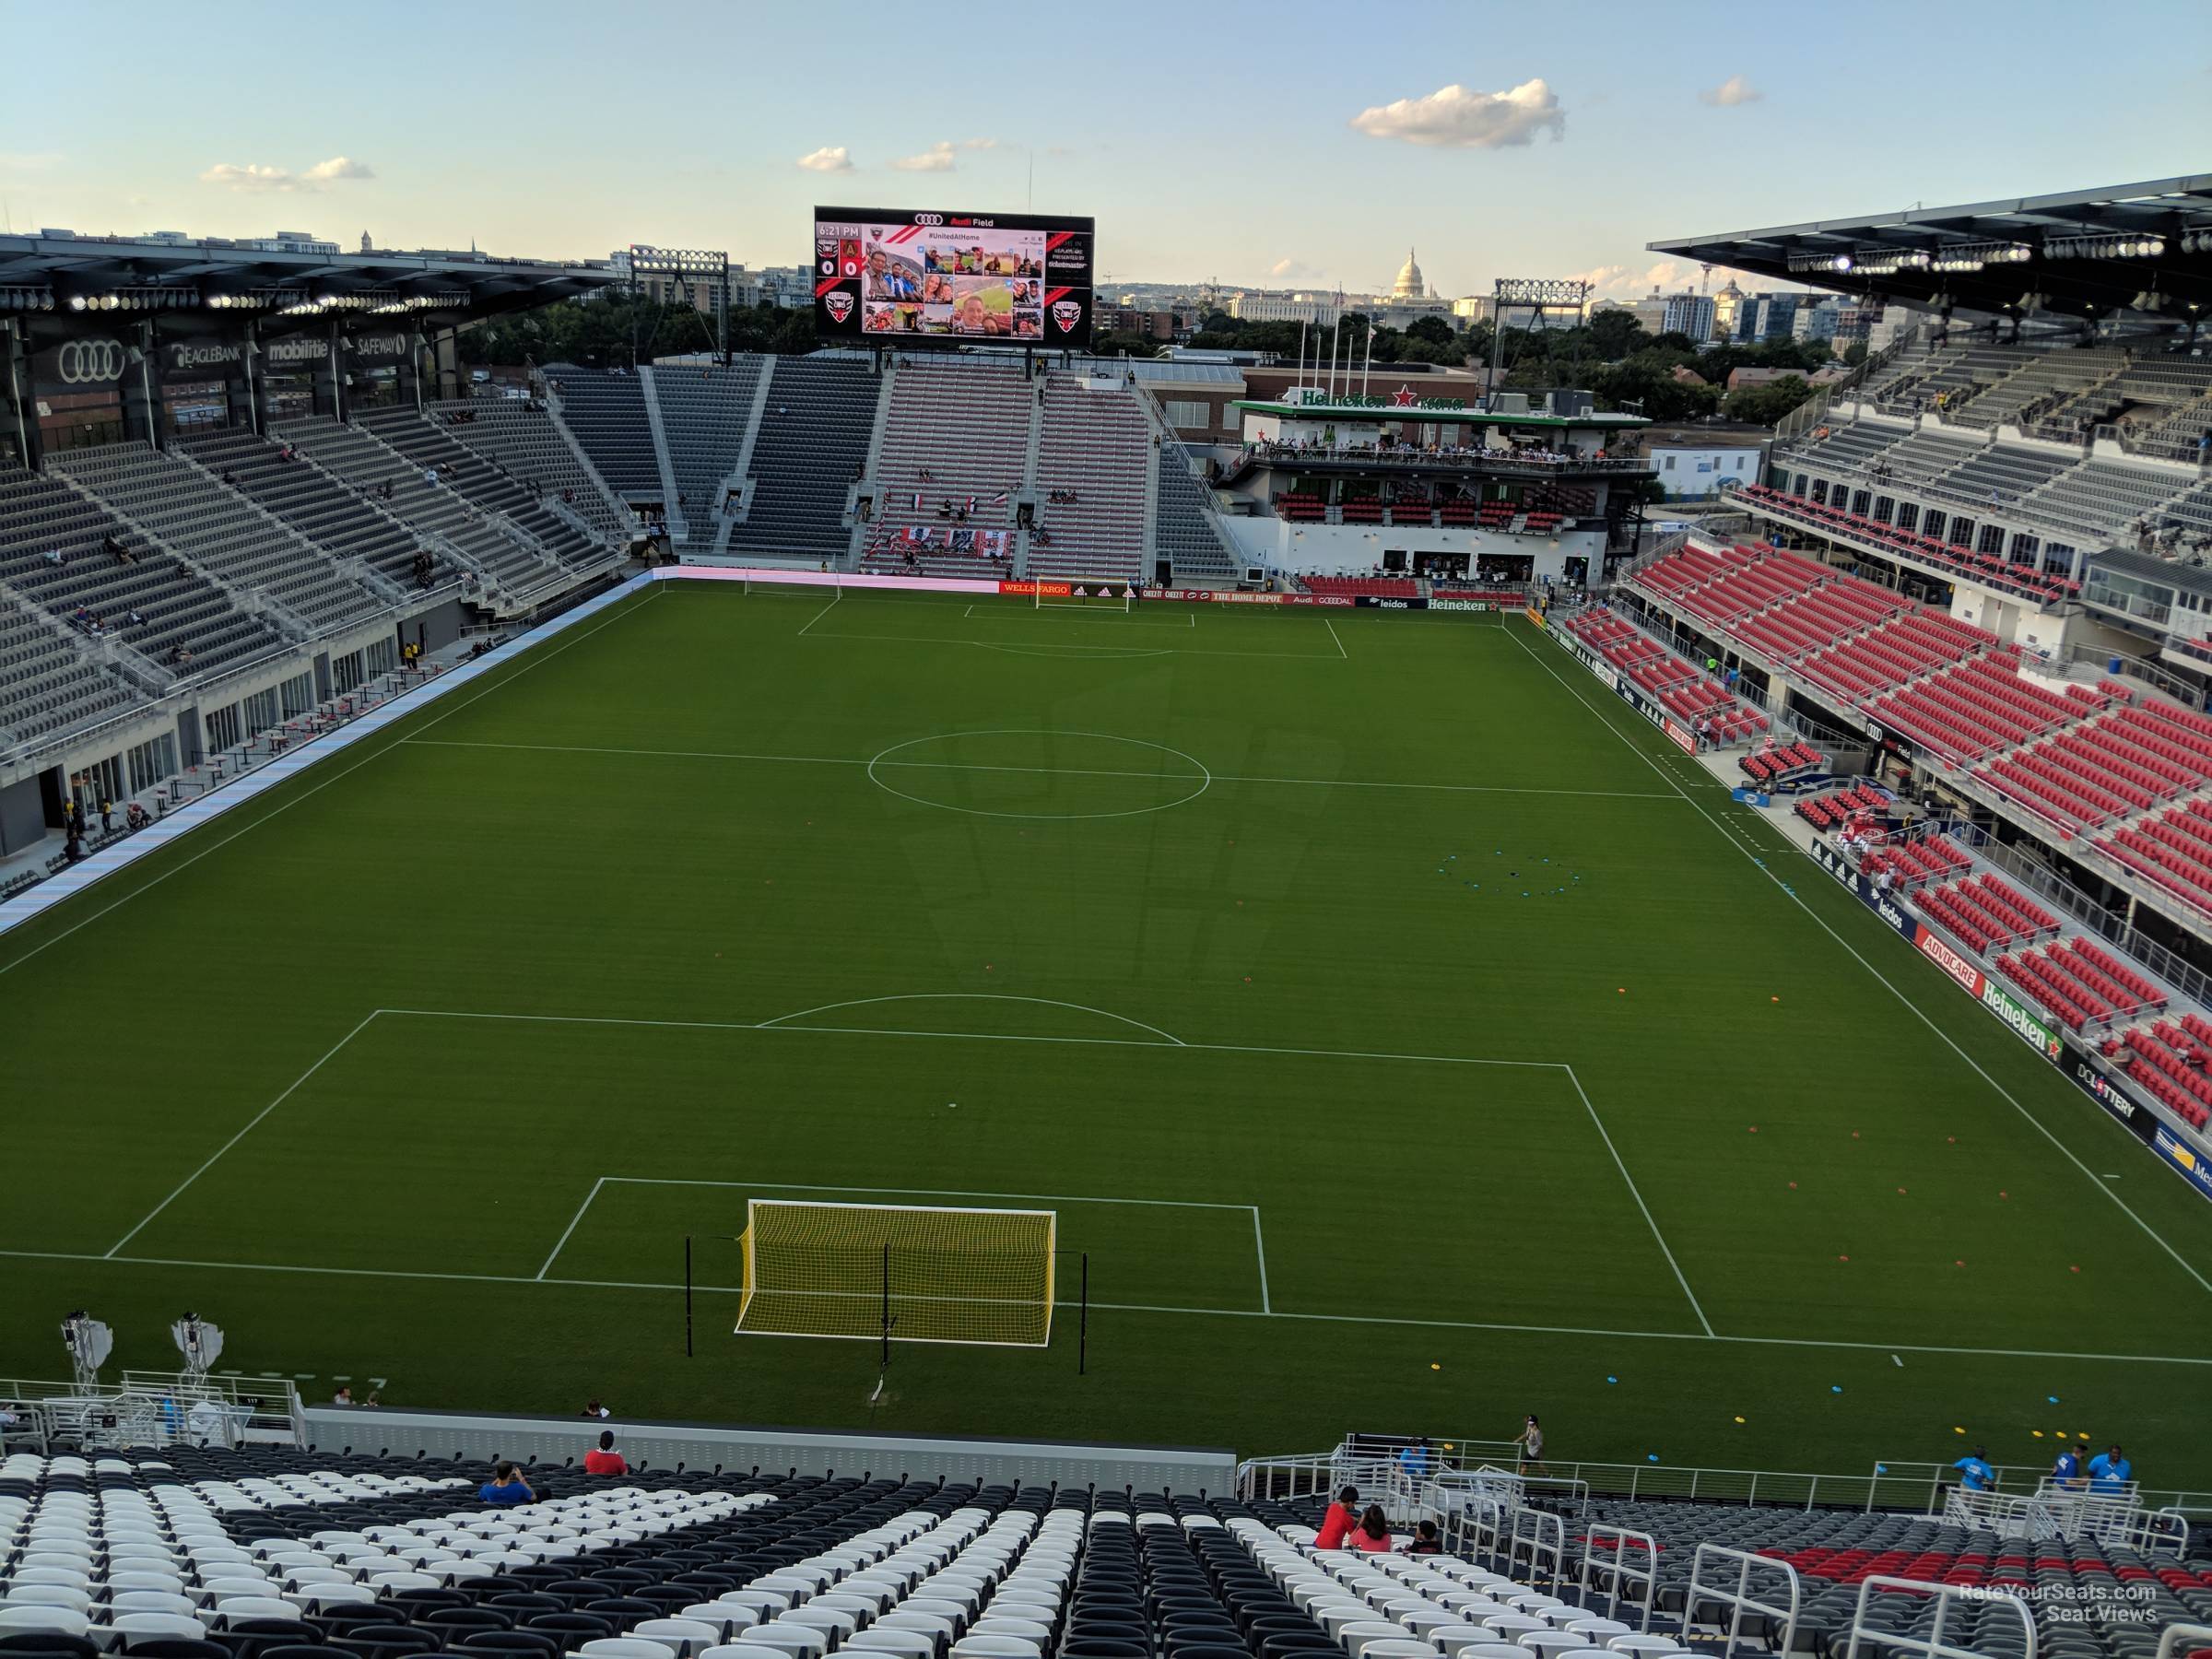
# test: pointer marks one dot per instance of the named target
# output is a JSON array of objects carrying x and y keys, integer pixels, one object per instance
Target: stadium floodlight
[
  {"x": 688, "y": 268},
  {"x": 19, "y": 297},
  {"x": 1544, "y": 293},
  {"x": 2105, "y": 245},
  {"x": 201, "y": 1343},
  {"x": 1975, "y": 257},
  {"x": 90, "y": 1342},
  {"x": 1820, "y": 261}
]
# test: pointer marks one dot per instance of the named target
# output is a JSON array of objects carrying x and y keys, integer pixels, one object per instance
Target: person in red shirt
[
  {"x": 1338, "y": 1523},
  {"x": 1374, "y": 1535},
  {"x": 603, "y": 1459}
]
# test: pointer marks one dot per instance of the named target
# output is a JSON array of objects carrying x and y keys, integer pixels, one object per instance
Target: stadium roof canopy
[
  {"x": 66, "y": 272},
  {"x": 2140, "y": 249}
]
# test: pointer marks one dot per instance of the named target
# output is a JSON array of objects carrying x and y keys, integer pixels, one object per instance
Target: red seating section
[
  {"x": 2082, "y": 983},
  {"x": 1301, "y": 508},
  {"x": 1768, "y": 765},
  {"x": 1378, "y": 587},
  {"x": 2171, "y": 1061},
  {"x": 2173, "y": 850},
  {"x": 2106, "y": 768},
  {"x": 1967, "y": 712},
  {"x": 1832, "y": 811},
  {"x": 1689, "y": 695},
  {"x": 1934, "y": 858},
  {"x": 1987, "y": 911},
  {"x": 1990, "y": 568}
]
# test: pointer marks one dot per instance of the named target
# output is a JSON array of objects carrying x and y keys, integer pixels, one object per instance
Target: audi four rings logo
[
  {"x": 929, "y": 218},
  {"x": 85, "y": 362}
]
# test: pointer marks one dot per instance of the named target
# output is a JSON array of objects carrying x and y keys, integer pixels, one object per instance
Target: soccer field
[{"x": 1407, "y": 1034}]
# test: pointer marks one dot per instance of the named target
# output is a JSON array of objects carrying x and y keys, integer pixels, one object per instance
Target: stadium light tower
[
  {"x": 688, "y": 267},
  {"x": 1536, "y": 295},
  {"x": 90, "y": 1342},
  {"x": 201, "y": 1343}
]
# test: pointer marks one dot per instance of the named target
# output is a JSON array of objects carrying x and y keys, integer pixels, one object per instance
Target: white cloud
[
  {"x": 937, "y": 158},
  {"x": 1605, "y": 279},
  {"x": 1292, "y": 268},
  {"x": 829, "y": 158},
  {"x": 253, "y": 177},
  {"x": 1461, "y": 119},
  {"x": 25, "y": 161},
  {"x": 1665, "y": 273},
  {"x": 978, "y": 144},
  {"x": 1731, "y": 92}
]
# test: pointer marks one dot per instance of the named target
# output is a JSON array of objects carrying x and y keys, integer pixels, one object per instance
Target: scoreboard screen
[{"x": 919, "y": 279}]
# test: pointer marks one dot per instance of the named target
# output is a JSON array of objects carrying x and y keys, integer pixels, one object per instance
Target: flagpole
[
  {"x": 1302, "y": 351},
  {"x": 1336, "y": 352},
  {"x": 1371, "y": 356}
]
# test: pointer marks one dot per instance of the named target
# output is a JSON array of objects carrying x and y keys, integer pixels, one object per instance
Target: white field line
[
  {"x": 1259, "y": 1245},
  {"x": 616, "y": 614},
  {"x": 835, "y": 596},
  {"x": 657, "y": 754},
  {"x": 568, "y": 1231},
  {"x": 1357, "y": 1319},
  {"x": 1634, "y": 1192},
  {"x": 247, "y": 1129},
  {"x": 1914, "y": 1009},
  {"x": 1330, "y": 624}
]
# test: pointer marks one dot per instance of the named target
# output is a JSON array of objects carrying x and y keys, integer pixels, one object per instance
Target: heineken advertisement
[{"x": 2025, "y": 1025}]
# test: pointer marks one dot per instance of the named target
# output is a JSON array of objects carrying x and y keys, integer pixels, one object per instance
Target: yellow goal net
[{"x": 897, "y": 1273}]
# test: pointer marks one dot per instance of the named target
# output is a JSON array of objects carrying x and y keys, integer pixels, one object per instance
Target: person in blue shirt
[
  {"x": 1974, "y": 1473},
  {"x": 506, "y": 1486},
  {"x": 2067, "y": 1471},
  {"x": 1413, "y": 1459},
  {"x": 2109, "y": 1471}
]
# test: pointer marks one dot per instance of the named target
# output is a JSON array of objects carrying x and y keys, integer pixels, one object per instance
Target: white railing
[
  {"x": 1946, "y": 1596},
  {"x": 2174, "y": 1636},
  {"x": 1732, "y": 1579},
  {"x": 1608, "y": 1572}
]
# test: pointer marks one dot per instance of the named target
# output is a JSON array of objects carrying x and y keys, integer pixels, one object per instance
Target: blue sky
[{"x": 1284, "y": 143}]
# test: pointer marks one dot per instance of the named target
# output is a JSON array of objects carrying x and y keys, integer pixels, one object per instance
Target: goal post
[
  {"x": 1091, "y": 593},
  {"x": 897, "y": 1273}
]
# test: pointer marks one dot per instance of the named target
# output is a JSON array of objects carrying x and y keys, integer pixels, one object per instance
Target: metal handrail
[
  {"x": 1946, "y": 1596},
  {"x": 1739, "y": 1598}
]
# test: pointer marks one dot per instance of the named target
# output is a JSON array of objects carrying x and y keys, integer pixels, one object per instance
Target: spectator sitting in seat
[
  {"x": 506, "y": 1486},
  {"x": 591, "y": 1408},
  {"x": 1425, "y": 1540},
  {"x": 1372, "y": 1536},
  {"x": 603, "y": 1459},
  {"x": 343, "y": 1397},
  {"x": 1336, "y": 1526}
]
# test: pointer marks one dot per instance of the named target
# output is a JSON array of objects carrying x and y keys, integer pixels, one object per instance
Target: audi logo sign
[
  {"x": 89, "y": 362},
  {"x": 929, "y": 218}
]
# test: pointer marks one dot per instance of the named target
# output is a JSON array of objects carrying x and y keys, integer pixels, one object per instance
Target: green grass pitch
[{"x": 1390, "y": 1015}]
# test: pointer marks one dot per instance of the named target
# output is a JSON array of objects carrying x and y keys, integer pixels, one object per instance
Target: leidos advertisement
[{"x": 945, "y": 278}]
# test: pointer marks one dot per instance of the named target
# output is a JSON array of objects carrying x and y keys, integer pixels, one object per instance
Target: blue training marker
[
  {"x": 1650, "y": 1457},
  {"x": 2051, "y": 1398},
  {"x": 1835, "y": 1388},
  {"x": 1612, "y": 1378}
]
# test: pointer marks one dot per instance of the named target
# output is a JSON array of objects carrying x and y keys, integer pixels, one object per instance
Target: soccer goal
[
  {"x": 1105, "y": 592},
  {"x": 895, "y": 1273}
]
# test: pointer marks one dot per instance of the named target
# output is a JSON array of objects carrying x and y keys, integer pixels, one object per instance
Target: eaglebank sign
[{"x": 1226, "y": 596}]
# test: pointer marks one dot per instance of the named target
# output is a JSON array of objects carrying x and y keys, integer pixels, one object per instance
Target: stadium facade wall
[
  {"x": 1355, "y": 550},
  {"x": 477, "y": 1437}
]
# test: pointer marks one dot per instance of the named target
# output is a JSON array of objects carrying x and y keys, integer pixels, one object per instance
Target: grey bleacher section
[
  {"x": 317, "y": 504},
  {"x": 606, "y": 411},
  {"x": 2007, "y": 470},
  {"x": 221, "y": 529},
  {"x": 1928, "y": 454},
  {"x": 540, "y": 455},
  {"x": 489, "y": 485},
  {"x": 813, "y": 442},
  {"x": 2194, "y": 511},
  {"x": 2036, "y": 381},
  {"x": 180, "y": 608},
  {"x": 47, "y": 683},
  {"x": 1185, "y": 531},
  {"x": 703, "y": 412},
  {"x": 356, "y": 456},
  {"x": 2100, "y": 498},
  {"x": 1849, "y": 446}
]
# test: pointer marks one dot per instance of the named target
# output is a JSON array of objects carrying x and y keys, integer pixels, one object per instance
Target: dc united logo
[
  {"x": 839, "y": 306},
  {"x": 1067, "y": 313}
]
